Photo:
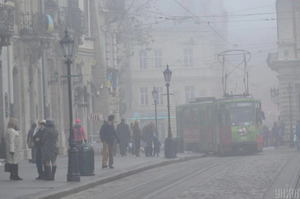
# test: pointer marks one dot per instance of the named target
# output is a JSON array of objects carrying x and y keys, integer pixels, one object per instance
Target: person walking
[
  {"x": 136, "y": 137},
  {"x": 38, "y": 136},
  {"x": 13, "y": 148},
  {"x": 79, "y": 134},
  {"x": 298, "y": 135},
  {"x": 131, "y": 143},
  {"x": 275, "y": 134},
  {"x": 49, "y": 149},
  {"x": 107, "y": 134},
  {"x": 30, "y": 142},
  {"x": 123, "y": 133},
  {"x": 148, "y": 135},
  {"x": 266, "y": 134},
  {"x": 157, "y": 145}
]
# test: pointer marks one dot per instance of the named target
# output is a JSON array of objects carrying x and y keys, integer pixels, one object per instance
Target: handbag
[{"x": 7, "y": 167}]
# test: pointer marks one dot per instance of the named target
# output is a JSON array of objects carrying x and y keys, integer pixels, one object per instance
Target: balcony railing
[
  {"x": 6, "y": 24},
  {"x": 31, "y": 24}
]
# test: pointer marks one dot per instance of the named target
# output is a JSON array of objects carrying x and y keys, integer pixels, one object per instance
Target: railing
[{"x": 31, "y": 24}]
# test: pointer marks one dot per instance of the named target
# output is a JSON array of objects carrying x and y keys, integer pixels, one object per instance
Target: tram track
[{"x": 165, "y": 186}]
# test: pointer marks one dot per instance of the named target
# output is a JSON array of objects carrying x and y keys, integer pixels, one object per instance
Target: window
[
  {"x": 143, "y": 59},
  {"x": 144, "y": 95},
  {"x": 188, "y": 57},
  {"x": 160, "y": 95},
  {"x": 189, "y": 93},
  {"x": 158, "y": 58}
]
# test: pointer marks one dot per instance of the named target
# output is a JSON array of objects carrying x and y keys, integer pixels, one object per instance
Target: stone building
[
  {"x": 286, "y": 63},
  {"x": 33, "y": 83},
  {"x": 189, "y": 47}
]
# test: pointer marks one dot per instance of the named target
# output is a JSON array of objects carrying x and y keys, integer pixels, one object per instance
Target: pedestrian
[
  {"x": 131, "y": 144},
  {"x": 79, "y": 134},
  {"x": 30, "y": 142},
  {"x": 267, "y": 135},
  {"x": 49, "y": 149},
  {"x": 38, "y": 136},
  {"x": 298, "y": 135},
  {"x": 275, "y": 134},
  {"x": 123, "y": 132},
  {"x": 157, "y": 145},
  {"x": 107, "y": 134},
  {"x": 136, "y": 137},
  {"x": 148, "y": 135},
  {"x": 13, "y": 148}
]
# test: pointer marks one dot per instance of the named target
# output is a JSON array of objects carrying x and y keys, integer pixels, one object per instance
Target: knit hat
[{"x": 78, "y": 121}]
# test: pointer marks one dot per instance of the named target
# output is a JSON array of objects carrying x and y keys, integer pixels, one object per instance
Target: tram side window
[{"x": 190, "y": 117}]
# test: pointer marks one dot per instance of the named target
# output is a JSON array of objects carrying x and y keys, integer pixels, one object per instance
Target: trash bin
[{"x": 86, "y": 160}]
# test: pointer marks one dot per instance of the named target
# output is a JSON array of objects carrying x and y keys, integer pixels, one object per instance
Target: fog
[{"x": 248, "y": 25}]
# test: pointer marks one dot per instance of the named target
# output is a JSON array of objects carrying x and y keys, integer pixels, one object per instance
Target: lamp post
[
  {"x": 155, "y": 98},
  {"x": 170, "y": 143},
  {"x": 290, "y": 91},
  {"x": 67, "y": 46}
]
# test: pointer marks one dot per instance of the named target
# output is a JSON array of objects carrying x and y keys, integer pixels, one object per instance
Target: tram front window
[{"x": 242, "y": 115}]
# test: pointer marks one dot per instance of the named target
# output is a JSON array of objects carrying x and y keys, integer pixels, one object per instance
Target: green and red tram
[{"x": 222, "y": 126}]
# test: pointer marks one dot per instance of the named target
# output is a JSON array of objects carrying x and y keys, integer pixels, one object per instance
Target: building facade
[
  {"x": 190, "y": 49},
  {"x": 286, "y": 63},
  {"x": 33, "y": 83}
]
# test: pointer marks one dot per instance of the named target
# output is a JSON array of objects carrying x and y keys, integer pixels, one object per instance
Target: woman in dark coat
[
  {"x": 49, "y": 149},
  {"x": 38, "y": 145},
  {"x": 136, "y": 137}
]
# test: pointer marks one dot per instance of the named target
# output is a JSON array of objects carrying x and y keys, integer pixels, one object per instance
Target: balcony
[
  {"x": 31, "y": 24},
  {"x": 6, "y": 24}
]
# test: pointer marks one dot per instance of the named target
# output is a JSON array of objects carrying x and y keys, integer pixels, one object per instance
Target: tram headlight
[{"x": 243, "y": 131}]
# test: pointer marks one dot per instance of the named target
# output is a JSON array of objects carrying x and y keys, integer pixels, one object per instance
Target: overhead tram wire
[{"x": 206, "y": 22}]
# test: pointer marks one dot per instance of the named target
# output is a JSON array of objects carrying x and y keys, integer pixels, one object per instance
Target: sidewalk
[{"x": 30, "y": 188}]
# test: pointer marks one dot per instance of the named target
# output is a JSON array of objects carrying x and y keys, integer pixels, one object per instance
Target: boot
[
  {"x": 48, "y": 174},
  {"x": 53, "y": 172},
  {"x": 12, "y": 175},
  {"x": 17, "y": 172}
]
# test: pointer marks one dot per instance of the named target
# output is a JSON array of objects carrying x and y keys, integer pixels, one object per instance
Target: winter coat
[
  {"x": 39, "y": 134},
  {"x": 107, "y": 134},
  {"x": 148, "y": 135},
  {"x": 49, "y": 144},
  {"x": 123, "y": 132},
  {"x": 79, "y": 134},
  {"x": 13, "y": 144},
  {"x": 136, "y": 133}
]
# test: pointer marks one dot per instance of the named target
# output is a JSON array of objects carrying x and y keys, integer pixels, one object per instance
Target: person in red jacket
[{"x": 79, "y": 134}]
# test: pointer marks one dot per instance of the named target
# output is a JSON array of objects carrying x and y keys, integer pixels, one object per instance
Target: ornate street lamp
[
  {"x": 290, "y": 91},
  {"x": 155, "y": 98},
  {"x": 170, "y": 143},
  {"x": 67, "y": 46}
]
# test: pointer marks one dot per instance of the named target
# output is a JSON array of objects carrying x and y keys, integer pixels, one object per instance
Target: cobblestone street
[{"x": 257, "y": 176}]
